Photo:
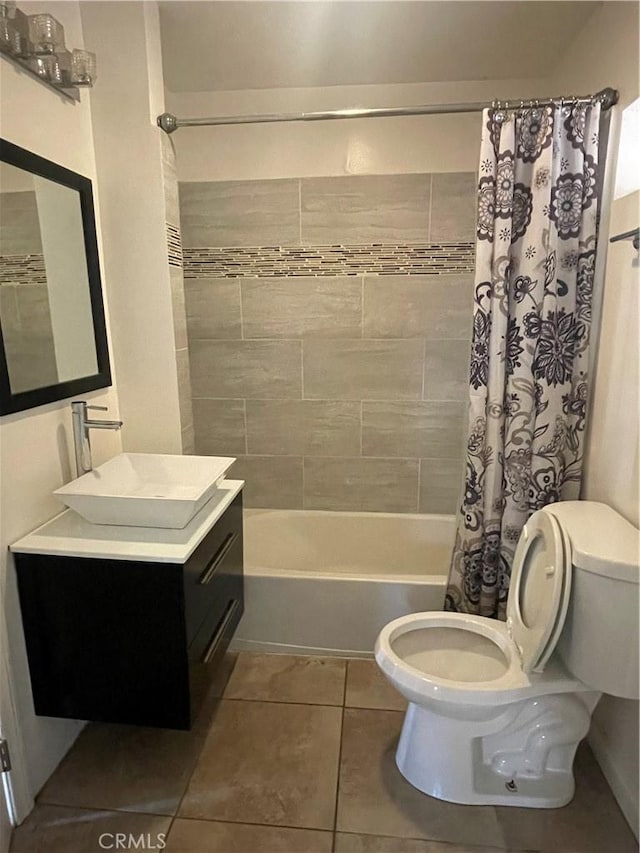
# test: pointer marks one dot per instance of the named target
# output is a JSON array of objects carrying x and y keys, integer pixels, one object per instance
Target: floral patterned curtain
[{"x": 528, "y": 384}]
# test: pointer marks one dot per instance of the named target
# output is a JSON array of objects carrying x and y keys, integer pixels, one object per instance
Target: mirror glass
[
  {"x": 45, "y": 306},
  {"x": 53, "y": 341}
]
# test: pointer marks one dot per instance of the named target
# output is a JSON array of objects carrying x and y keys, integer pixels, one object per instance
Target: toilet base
[{"x": 515, "y": 755}]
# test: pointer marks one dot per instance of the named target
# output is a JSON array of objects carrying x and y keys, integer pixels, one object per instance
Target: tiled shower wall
[
  {"x": 24, "y": 298},
  {"x": 329, "y": 323}
]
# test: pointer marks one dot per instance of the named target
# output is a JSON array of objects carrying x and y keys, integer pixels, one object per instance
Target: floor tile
[
  {"x": 374, "y": 797},
  {"x": 58, "y": 829},
  {"x": 350, "y": 843},
  {"x": 125, "y": 767},
  {"x": 208, "y": 685},
  {"x": 287, "y": 678},
  {"x": 197, "y": 836},
  {"x": 591, "y": 823},
  {"x": 368, "y": 688},
  {"x": 268, "y": 762}
]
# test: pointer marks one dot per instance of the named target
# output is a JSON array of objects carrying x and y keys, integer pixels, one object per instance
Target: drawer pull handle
[
  {"x": 217, "y": 558},
  {"x": 219, "y": 632}
]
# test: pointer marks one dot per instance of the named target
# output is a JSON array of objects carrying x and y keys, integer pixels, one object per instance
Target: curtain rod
[{"x": 168, "y": 122}]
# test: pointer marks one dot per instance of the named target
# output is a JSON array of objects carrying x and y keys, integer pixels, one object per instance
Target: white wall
[
  {"x": 606, "y": 54},
  {"x": 446, "y": 143},
  {"x": 124, "y": 105},
  {"x": 36, "y": 454}
]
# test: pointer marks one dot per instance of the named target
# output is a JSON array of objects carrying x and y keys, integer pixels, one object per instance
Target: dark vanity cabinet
[{"x": 131, "y": 640}]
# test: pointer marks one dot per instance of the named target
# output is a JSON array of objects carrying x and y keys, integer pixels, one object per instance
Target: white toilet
[{"x": 496, "y": 710}]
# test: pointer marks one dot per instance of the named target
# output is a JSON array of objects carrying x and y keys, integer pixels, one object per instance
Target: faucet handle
[{"x": 98, "y": 408}]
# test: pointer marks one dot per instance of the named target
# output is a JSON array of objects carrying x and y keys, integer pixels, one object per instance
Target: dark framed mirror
[{"x": 53, "y": 340}]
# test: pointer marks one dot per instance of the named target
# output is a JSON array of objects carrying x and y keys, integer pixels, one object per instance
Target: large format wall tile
[
  {"x": 327, "y": 377},
  {"x": 219, "y": 427},
  {"x": 184, "y": 388},
  {"x": 363, "y": 369},
  {"x": 169, "y": 179},
  {"x": 440, "y": 483},
  {"x": 257, "y": 369},
  {"x": 302, "y": 307},
  {"x": 178, "y": 307},
  {"x": 431, "y": 306},
  {"x": 299, "y": 427},
  {"x": 365, "y": 208},
  {"x": 376, "y": 485},
  {"x": 188, "y": 440},
  {"x": 240, "y": 213},
  {"x": 412, "y": 429},
  {"x": 446, "y": 370},
  {"x": 272, "y": 482},
  {"x": 453, "y": 207},
  {"x": 19, "y": 224},
  {"x": 213, "y": 308}
]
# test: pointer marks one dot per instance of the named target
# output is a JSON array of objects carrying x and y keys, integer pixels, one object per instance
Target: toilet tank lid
[{"x": 602, "y": 541}]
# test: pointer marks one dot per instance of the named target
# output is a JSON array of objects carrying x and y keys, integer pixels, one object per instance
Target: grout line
[
  {"x": 40, "y": 802},
  {"x": 265, "y": 825},
  {"x": 425, "y": 842},
  {"x": 335, "y": 811},
  {"x": 344, "y": 699},
  {"x": 312, "y": 704}
]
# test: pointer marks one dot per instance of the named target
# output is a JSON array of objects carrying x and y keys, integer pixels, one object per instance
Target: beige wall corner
[{"x": 128, "y": 149}]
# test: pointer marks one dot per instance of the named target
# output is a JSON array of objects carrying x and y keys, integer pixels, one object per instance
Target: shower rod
[{"x": 168, "y": 122}]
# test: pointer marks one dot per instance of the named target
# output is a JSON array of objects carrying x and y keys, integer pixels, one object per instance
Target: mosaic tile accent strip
[
  {"x": 174, "y": 245},
  {"x": 22, "y": 269},
  {"x": 365, "y": 259}
]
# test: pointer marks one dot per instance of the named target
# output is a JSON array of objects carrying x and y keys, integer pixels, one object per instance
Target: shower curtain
[{"x": 535, "y": 257}]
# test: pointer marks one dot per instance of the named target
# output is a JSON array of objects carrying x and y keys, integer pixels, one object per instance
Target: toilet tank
[{"x": 599, "y": 641}]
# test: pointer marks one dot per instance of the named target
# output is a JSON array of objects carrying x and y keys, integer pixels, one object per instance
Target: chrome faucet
[{"x": 81, "y": 426}]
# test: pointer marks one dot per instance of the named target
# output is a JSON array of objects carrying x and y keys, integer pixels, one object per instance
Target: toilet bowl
[{"x": 497, "y": 710}]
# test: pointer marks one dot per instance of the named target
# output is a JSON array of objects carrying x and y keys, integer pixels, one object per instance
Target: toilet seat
[
  {"x": 536, "y": 611},
  {"x": 416, "y": 682},
  {"x": 539, "y": 590}
]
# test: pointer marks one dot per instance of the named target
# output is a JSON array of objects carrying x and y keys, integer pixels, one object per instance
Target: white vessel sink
[{"x": 146, "y": 489}]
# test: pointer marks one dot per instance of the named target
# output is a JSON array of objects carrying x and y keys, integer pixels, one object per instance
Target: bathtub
[{"x": 327, "y": 582}]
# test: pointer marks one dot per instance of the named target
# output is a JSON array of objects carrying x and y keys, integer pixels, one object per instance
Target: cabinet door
[
  {"x": 105, "y": 639},
  {"x": 225, "y": 608},
  {"x": 206, "y": 573}
]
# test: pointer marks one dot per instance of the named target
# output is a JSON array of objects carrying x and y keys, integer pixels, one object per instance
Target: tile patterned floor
[{"x": 291, "y": 755}]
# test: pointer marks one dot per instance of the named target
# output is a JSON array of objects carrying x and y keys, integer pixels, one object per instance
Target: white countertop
[{"x": 69, "y": 535}]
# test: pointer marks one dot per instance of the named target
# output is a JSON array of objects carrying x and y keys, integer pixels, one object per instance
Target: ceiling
[{"x": 213, "y": 46}]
